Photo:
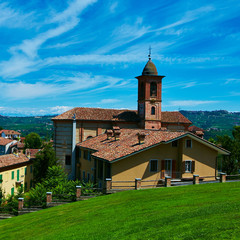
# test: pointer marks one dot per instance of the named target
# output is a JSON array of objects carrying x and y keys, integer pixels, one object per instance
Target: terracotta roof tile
[
  {"x": 100, "y": 114},
  {"x": 128, "y": 142},
  {"x": 194, "y": 129},
  {"x": 5, "y": 141},
  {"x": 32, "y": 152},
  {"x": 11, "y": 159},
  {"x": 10, "y": 132}
]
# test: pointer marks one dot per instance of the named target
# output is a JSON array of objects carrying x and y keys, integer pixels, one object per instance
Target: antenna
[{"x": 150, "y": 52}]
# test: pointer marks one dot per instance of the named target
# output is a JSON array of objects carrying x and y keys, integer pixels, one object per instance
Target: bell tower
[{"x": 150, "y": 96}]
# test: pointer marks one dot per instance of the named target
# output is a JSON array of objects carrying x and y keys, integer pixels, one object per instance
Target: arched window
[
  {"x": 153, "y": 111},
  {"x": 142, "y": 91},
  {"x": 89, "y": 137},
  {"x": 153, "y": 89}
]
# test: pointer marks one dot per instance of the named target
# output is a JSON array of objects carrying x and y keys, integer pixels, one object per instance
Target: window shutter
[
  {"x": 183, "y": 166},
  {"x": 173, "y": 168},
  {"x": 163, "y": 168},
  {"x": 193, "y": 166}
]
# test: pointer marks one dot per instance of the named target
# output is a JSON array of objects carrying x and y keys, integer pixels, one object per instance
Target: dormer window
[
  {"x": 153, "y": 110},
  {"x": 153, "y": 89}
]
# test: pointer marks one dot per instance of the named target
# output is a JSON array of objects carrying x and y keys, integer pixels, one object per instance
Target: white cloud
[
  {"x": 59, "y": 109},
  {"x": 14, "y": 18},
  {"x": 232, "y": 80},
  {"x": 190, "y": 103},
  {"x": 107, "y": 101}
]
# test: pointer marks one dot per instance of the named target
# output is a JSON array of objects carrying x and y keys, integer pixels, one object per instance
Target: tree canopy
[
  {"x": 44, "y": 159},
  {"x": 33, "y": 140}
]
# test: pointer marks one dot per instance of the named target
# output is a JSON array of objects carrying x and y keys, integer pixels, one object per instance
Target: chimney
[
  {"x": 141, "y": 137},
  {"x": 117, "y": 134},
  {"x": 109, "y": 133}
]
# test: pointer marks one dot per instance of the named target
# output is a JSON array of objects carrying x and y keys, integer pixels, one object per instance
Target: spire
[{"x": 150, "y": 51}]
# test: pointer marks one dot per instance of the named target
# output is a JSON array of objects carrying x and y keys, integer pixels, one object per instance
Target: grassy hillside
[
  {"x": 214, "y": 122},
  {"x": 208, "y": 211},
  {"x": 41, "y": 125}
]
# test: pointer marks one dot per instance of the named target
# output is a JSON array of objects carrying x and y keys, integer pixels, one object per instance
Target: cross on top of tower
[{"x": 150, "y": 51}]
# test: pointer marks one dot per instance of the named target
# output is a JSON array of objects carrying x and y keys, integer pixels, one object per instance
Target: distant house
[
  {"x": 126, "y": 154},
  {"x": 15, "y": 170},
  {"x": 6, "y": 145},
  {"x": 10, "y": 134}
]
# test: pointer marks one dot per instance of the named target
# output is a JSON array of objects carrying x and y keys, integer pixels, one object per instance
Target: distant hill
[
  {"x": 214, "y": 122},
  {"x": 39, "y": 124}
]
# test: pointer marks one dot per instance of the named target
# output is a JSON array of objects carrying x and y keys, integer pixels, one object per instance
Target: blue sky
[{"x": 55, "y": 55}]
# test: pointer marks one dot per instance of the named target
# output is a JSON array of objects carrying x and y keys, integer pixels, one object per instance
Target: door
[{"x": 168, "y": 168}]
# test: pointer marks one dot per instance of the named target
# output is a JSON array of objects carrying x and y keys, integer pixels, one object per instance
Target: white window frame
[
  {"x": 190, "y": 170},
  {"x": 186, "y": 143},
  {"x": 150, "y": 165}
]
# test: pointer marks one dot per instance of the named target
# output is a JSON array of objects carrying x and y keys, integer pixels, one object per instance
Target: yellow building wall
[
  {"x": 204, "y": 157},
  {"x": 8, "y": 182},
  {"x": 137, "y": 166}
]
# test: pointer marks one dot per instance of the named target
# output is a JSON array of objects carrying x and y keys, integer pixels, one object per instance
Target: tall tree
[
  {"x": 33, "y": 140},
  {"x": 44, "y": 159}
]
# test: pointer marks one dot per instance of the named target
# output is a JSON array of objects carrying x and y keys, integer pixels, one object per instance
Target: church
[{"x": 93, "y": 143}]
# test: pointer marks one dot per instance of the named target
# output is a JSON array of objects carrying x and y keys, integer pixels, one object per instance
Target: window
[
  {"x": 153, "y": 165},
  {"x": 88, "y": 177},
  {"x": 25, "y": 171},
  {"x": 188, "y": 143},
  {"x": 89, "y": 137},
  {"x": 1, "y": 178},
  {"x": 175, "y": 143},
  {"x": 83, "y": 174},
  {"x": 142, "y": 91},
  {"x": 12, "y": 174},
  {"x": 188, "y": 166},
  {"x": 31, "y": 168},
  {"x": 18, "y": 175},
  {"x": 68, "y": 160},
  {"x": 12, "y": 191},
  {"x": 89, "y": 156},
  {"x": 153, "y": 111},
  {"x": 85, "y": 154},
  {"x": 153, "y": 89}
]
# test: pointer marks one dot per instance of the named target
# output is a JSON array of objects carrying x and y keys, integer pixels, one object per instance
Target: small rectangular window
[
  {"x": 12, "y": 191},
  {"x": 25, "y": 171},
  {"x": 85, "y": 154},
  {"x": 12, "y": 175},
  {"x": 153, "y": 165},
  {"x": 18, "y": 175},
  {"x": 1, "y": 178},
  {"x": 188, "y": 166},
  {"x": 83, "y": 173},
  {"x": 89, "y": 156},
  {"x": 188, "y": 143},
  {"x": 175, "y": 143},
  {"x": 88, "y": 177},
  {"x": 68, "y": 160},
  {"x": 31, "y": 169}
]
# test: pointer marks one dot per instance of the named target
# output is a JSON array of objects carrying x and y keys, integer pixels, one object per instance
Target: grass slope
[{"x": 208, "y": 211}]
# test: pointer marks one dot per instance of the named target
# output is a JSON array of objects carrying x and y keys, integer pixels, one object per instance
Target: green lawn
[{"x": 208, "y": 211}]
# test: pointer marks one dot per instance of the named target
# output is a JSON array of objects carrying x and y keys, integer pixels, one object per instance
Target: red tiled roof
[
  {"x": 11, "y": 159},
  {"x": 9, "y": 132},
  {"x": 127, "y": 144},
  {"x": 20, "y": 145},
  {"x": 194, "y": 129},
  {"x": 174, "y": 117},
  {"x": 32, "y": 151},
  {"x": 100, "y": 114},
  {"x": 5, "y": 141}
]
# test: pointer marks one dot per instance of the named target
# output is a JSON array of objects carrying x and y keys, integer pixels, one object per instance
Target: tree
[
  {"x": 33, "y": 140},
  {"x": 44, "y": 159},
  {"x": 231, "y": 163},
  {"x": 1, "y": 128}
]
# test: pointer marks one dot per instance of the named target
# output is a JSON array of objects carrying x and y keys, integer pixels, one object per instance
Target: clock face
[{"x": 141, "y": 109}]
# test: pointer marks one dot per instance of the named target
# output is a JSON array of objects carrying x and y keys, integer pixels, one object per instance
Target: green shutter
[
  {"x": 1, "y": 178},
  {"x": 12, "y": 191},
  {"x": 18, "y": 175},
  {"x": 25, "y": 171},
  {"x": 31, "y": 169},
  {"x": 12, "y": 174}
]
